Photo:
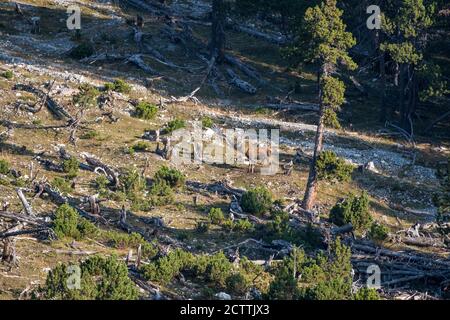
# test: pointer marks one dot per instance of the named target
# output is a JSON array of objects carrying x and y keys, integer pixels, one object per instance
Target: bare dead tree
[{"x": 217, "y": 44}]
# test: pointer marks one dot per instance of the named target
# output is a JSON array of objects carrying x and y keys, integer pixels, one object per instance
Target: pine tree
[
  {"x": 405, "y": 25},
  {"x": 326, "y": 43},
  {"x": 218, "y": 16}
]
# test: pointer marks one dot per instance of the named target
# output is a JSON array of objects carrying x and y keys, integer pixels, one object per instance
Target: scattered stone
[{"x": 222, "y": 296}]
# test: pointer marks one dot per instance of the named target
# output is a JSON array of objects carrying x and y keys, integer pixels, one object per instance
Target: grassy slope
[{"x": 36, "y": 257}]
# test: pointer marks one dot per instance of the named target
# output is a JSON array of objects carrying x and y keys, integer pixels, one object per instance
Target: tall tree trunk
[
  {"x": 403, "y": 69},
  {"x": 413, "y": 97},
  {"x": 311, "y": 186},
  {"x": 383, "y": 106},
  {"x": 396, "y": 74},
  {"x": 217, "y": 45}
]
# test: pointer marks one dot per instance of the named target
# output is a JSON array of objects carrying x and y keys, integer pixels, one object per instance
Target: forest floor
[{"x": 400, "y": 189}]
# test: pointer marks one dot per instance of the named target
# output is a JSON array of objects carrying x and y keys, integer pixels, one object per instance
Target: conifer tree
[
  {"x": 325, "y": 43},
  {"x": 217, "y": 45},
  {"x": 405, "y": 24}
]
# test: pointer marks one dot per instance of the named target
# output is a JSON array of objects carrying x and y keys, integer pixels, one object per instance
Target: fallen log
[
  {"x": 343, "y": 229},
  {"x": 247, "y": 70},
  {"x": 71, "y": 252},
  {"x": 21, "y": 218},
  {"x": 111, "y": 174},
  {"x": 58, "y": 111},
  {"x": 26, "y": 205},
  {"x": 11, "y": 124},
  {"x": 219, "y": 187},
  {"x": 415, "y": 212},
  {"x": 59, "y": 199},
  {"x": 49, "y": 165},
  {"x": 249, "y": 217},
  {"x": 157, "y": 56},
  {"x": 400, "y": 255},
  {"x": 147, "y": 286},
  {"x": 21, "y": 232},
  {"x": 239, "y": 83},
  {"x": 105, "y": 56},
  {"x": 272, "y": 38},
  {"x": 64, "y": 155},
  {"x": 436, "y": 121},
  {"x": 295, "y": 106},
  {"x": 423, "y": 242},
  {"x": 136, "y": 59},
  {"x": 404, "y": 279}
]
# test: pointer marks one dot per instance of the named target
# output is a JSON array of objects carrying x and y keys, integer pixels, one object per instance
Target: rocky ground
[{"x": 400, "y": 176}]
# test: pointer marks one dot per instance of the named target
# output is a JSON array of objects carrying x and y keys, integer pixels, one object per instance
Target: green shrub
[
  {"x": 228, "y": 224},
  {"x": 161, "y": 188},
  {"x": 87, "y": 228},
  {"x": 145, "y": 110},
  {"x": 173, "y": 125},
  {"x": 207, "y": 122},
  {"x": 378, "y": 232},
  {"x": 324, "y": 277},
  {"x": 91, "y": 134},
  {"x": 442, "y": 198},
  {"x": 71, "y": 167},
  {"x": 4, "y": 167},
  {"x": 330, "y": 119},
  {"x": 354, "y": 210},
  {"x": 20, "y": 182},
  {"x": 257, "y": 201},
  {"x": 263, "y": 111},
  {"x": 63, "y": 185},
  {"x": 165, "y": 269},
  {"x": 121, "y": 240},
  {"x": 285, "y": 286},
  {"x": 242, "y": 225},
  {"x": 334, "y": 289},
  {"x": 202, "y": 227},
  {"x": 101, "y": 279},
  {"x": 330, "y": 167},
  {"x": 86, "y": 97},
  {"x": 8, "y": 74},
  {"x": 280, "y": 228},
  {"x": 141, "y": 146},
  {"x": 101, "y": 183},
  {"x": 238, "y": 284},
  {"x": 109, "y": 86},
  {"x": 118, "y": 85},
  {"x": 366, "y": 294},
  {"x": 132, "y": 182},
  {"x": 81, "y": 51},
  {"x": 161, "y": 193},
  {"x": 216, "y": 216},
  {"x": 67, "y": 223},
  {"x": 172, "y": 176},
  {"x": 215, "y": 269}
]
